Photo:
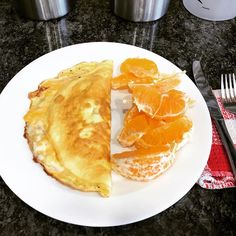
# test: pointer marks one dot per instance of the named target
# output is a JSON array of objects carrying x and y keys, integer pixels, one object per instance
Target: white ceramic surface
[
  {"x": 130, "y": 201},
  {"x": 215, "y": 10}
]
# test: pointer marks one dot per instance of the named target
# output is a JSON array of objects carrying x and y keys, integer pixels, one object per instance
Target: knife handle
[{"x": 228, "y": 143}]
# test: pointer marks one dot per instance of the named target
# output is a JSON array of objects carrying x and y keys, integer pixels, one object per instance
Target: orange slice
[
  {"x": 173, "y": 132},
  {"x": 166, "y": 84},
  {"x": 129, "y": 80},
  {"x": 133, "y": 130},
  {"x": 143, "y": 164},
  {"x": 123, "y": 80},
  {"x": 140, "y": 67},
  {"x": 131, "y": 113},
  {"x": 163, "y": 85},
  {"x": 135, "y": 125},
  {"x": 168, "y": 106}
]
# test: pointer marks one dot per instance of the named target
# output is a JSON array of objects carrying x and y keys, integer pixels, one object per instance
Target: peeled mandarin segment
[
  {"x": 147, "y": 99},
  {"x": 163, "y": 85},
  {"x": 133, "y": 112},
  {"x": 169, "y": 133},
  {"x": 123, "y": 80},
  {"x": 135, "y": 125},
  {"x": 159, "y": 105},
  {"x": 140, "y": 67},
  {"x": 138, "y": 123},
  {"x": 119, "y": 82},
  {"x": 130, "y": 114},
  {"x": 133, "y": 130},
  {"x": 142, "y": 81},
  {"x": 167, "y": 84},
  {"x": 154, "y": 123},
  {"x": 126, "y": 137},
  {"x": 141, "y": 153},
  {"x": 143, "y": 164},
  {"x": 174, "y": 104},
  {"x": 134, "y": 86}
]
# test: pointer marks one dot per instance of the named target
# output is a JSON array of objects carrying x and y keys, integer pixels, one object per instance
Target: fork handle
[{"x": 228, "y": 143}]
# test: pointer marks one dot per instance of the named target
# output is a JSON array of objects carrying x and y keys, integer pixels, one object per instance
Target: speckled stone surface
[{"x": 179, "y": 37}]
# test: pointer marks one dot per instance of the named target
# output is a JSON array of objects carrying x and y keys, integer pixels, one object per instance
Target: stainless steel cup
[
  {"x": 141, "y": 10},
  {"x": 43, "y": 9}
]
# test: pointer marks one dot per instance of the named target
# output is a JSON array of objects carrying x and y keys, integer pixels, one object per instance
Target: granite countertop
[{"x": 179, "y": 37}]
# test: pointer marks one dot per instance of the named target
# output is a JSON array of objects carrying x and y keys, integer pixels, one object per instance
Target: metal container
[
  {"x": 43, "y": 9},
  {"x": 141, "y": 10}
]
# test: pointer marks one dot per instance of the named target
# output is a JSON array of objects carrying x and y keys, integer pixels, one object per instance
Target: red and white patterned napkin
[{"x": 217, "y": 173}]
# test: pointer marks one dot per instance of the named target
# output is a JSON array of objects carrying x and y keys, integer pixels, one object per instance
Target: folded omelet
[{"x": 68, "y": 126}]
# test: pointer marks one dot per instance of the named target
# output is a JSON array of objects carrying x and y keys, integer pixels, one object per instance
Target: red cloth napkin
[{"x": 217, "y": 173}]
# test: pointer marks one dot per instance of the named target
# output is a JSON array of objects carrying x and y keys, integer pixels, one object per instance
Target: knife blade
[{"x": 215, "y": 113}]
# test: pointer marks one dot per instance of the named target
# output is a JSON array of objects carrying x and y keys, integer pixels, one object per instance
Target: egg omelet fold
[{"x": 68, "y": 126}]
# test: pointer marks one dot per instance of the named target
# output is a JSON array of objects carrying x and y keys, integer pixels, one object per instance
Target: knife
[{"x": 215, "y": 112}]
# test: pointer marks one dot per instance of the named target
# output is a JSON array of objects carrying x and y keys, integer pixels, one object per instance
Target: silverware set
[{"x": 228, "y": 90}]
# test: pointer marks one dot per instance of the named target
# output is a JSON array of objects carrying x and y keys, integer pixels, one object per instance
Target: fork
[{"x": 228, "y": 92}]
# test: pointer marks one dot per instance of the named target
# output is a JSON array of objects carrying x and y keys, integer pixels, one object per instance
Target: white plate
[{"x": 130, "y": 201}]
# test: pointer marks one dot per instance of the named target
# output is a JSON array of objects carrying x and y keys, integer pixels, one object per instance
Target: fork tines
[{"x": 228, "y": 88}]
